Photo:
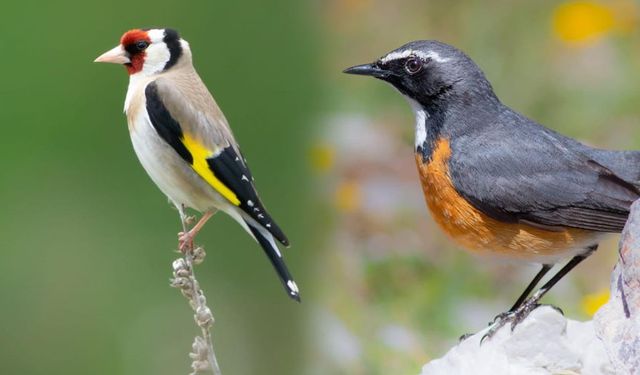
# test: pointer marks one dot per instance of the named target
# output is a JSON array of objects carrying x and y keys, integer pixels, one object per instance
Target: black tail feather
[{"x": 266, "y": 241}]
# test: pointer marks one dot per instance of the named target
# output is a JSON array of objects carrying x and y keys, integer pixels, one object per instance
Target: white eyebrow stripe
[{"x": 406, "y": 53}]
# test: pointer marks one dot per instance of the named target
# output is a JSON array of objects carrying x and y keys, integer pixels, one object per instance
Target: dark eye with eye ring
[
  {"x": 413, "y": 65},
  {"x": 142, "y": 45}
]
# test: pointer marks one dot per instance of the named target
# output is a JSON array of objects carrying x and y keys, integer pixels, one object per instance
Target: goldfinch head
[{"x": 148, "y": 51}]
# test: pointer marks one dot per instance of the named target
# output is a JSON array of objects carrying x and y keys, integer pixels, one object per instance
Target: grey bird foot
[
  {"x": 464, "y": 337},
  {"x": 499, "y": 317},
  {"x": 514, "y": 317},
  {"x": 555, "y": 308}
]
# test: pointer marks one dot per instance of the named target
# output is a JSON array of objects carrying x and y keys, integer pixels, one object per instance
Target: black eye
[
  {"x": 142, "y": 45},
  {"x": 413, "y": 65}
]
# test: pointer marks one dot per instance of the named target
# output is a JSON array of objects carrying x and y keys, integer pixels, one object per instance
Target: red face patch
[{"x": 131, "y": 41}]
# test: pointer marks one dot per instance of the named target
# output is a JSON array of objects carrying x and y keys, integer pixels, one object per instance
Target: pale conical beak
[{"x": 116, "y": 55}]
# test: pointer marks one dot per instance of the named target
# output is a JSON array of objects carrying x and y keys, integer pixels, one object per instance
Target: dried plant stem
[{"x": 184, "y": 278}]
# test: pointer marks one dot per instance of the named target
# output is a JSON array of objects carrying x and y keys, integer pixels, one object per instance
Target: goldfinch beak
[{"x": 115, "y": 56}]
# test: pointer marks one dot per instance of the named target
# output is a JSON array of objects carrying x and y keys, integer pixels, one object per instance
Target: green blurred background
[{"x": 88, "y": 240}]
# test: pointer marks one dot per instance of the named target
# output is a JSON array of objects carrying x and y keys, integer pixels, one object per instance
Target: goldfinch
[{"x": 184, "y": 142}]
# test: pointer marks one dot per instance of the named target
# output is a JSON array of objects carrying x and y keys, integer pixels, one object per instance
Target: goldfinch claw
[{"x": 185, "y": 241}]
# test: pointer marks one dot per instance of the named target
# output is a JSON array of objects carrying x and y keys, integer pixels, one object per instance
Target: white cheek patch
[
  {"x": 156, "y": 57},
  {"x": 435, "y": 56}
]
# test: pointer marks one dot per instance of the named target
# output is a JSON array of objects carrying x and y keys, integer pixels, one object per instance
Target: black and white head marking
[{"x": 165, "y": 50}]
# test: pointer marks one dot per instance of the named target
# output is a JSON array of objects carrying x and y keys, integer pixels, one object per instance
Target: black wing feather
[
  {"x": 167, "y": 127},
  {"x": 278, "y": 263},
  {"x": 230, "y": 167}
]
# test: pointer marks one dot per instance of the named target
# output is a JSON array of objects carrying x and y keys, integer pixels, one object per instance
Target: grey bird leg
[
  {"x": 523, "y": 296},
  {"x": 536, "y": 279},
  {"x": 543, "y": 271},
  {"x": 518, "y": 315}
]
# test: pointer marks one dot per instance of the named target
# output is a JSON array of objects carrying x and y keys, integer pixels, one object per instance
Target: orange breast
[{"x": 477, "y": 232}]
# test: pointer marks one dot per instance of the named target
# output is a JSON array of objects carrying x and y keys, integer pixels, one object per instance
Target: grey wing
[{"x": 541, "y": 179}]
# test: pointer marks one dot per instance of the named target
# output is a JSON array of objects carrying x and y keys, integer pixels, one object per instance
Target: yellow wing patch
[{"x": 200, "y": 155}]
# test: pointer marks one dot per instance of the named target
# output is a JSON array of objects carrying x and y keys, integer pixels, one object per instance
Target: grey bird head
[{"x": 429, "y": 72}]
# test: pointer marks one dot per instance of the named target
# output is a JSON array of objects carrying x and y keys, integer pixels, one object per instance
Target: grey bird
[{"x": 499, "y": 183}]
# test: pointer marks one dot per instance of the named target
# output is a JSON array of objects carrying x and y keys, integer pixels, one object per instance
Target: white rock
[
  {"x": 548, "y": 343},
  {"x": 545, "y": 343}
]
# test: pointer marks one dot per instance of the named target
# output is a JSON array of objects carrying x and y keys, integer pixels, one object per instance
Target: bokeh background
[{"x": 87, "y": 240}]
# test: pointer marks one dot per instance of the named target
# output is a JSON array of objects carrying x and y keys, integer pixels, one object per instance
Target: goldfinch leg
[{"x": 185, "y": 239}]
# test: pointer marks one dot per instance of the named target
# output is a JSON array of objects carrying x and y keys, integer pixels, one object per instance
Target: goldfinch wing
[{"x": 198, "y": 132}]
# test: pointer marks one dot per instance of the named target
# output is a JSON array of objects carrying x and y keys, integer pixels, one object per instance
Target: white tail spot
[{"x": 294, "y": 288}]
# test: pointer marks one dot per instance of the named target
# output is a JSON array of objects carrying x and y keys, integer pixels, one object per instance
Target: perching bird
[
  {"x": 183, "y": 140},
  {"x": 497, "y": 182}
]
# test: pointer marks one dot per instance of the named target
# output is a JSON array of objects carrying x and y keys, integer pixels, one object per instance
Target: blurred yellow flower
[
  {"x": 322, "y": 157},
  {"x": 348, "y": 196},
  {"x": 581, "y": 22},
  {"x": 592, "y": 302}
]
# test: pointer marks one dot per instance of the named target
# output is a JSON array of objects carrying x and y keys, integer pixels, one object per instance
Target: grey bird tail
[{"x": 625, "y": 164}]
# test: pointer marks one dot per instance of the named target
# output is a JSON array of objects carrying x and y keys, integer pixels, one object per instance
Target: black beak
[{"x": 372, "y": 70}]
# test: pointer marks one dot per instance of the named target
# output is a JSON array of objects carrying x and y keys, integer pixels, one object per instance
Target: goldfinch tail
[{"x": 266, "y": 241}]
